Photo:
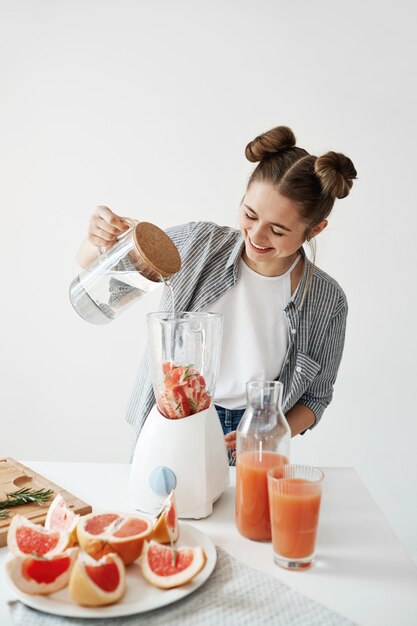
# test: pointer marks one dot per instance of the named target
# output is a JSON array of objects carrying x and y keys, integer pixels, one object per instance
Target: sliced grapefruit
[
  {"x": 42, "y": 576},
  {"x": 61, "y": 517},
  {"x": 165, "y": 567},
  {"x": 100, "y": 534},
  {"x": 183, "y": 391},
  {"x": 166, "y": 529},
  {"x": 97, "y": 583},
  {"x": 26, "y": 538}
]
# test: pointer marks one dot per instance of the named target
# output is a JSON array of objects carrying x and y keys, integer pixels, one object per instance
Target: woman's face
[{"x": 272, "y": 228}]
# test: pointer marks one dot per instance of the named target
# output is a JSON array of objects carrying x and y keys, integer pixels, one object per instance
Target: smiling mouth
[{"x": 260, "y": 249}]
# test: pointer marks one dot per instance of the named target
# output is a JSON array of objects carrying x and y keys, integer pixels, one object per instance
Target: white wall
[{"x": 147, "y": 107}]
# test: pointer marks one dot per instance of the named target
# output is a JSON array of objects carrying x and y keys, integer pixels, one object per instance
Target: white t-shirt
[{"x": 255, "y": 332}]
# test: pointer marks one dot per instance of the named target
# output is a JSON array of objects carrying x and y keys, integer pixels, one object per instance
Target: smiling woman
[{"x": 284, "y": 318}]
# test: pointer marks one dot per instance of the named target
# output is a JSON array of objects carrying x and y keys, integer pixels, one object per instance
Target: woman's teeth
[{"x": 259, "y": 247}]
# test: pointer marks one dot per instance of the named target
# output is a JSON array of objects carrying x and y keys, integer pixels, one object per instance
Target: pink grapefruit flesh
[
  {"x": 99, "y": 523},
  {"x": 30, "y": 541},
  {"x": 45, "y": 571},
  {"x": 131, "y": 527},
  {"x": 106, "y": 576}
]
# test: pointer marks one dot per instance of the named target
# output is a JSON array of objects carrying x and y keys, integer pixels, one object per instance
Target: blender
[{"x": 181, "y": 445}]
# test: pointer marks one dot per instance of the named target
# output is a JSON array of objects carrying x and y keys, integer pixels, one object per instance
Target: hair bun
[
  {"x": 272, "y": 141},
  {"x": 336, "y": 173}
]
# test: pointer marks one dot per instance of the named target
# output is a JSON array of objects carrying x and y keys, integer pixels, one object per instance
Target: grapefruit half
[
  {"x": 165, "y": 567},
  {"x": 103, "y": 533}
]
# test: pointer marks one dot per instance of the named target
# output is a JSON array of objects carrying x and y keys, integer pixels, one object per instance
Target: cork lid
[{"x": 156, "y": 249}]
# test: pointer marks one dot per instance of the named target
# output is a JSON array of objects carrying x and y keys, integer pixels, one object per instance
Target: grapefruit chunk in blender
[{"x": 183, "y": 391}]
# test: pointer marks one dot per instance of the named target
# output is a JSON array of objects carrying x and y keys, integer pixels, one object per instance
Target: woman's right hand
[
  {"x": 105, "y": 226},
  {"x": 103, "y": 230}
]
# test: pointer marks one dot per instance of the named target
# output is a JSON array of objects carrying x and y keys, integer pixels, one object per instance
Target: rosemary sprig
[
  {"x": 24, "y": 496},
  {"x": 188, "y": 376},
  {"x": 187, "y": 371}
]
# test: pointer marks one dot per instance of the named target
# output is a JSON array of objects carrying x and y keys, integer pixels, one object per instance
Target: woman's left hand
[{"x": 230, "y": 440}]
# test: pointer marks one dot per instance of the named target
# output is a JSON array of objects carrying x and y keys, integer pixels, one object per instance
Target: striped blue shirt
[{"x": 316, "y": 317}]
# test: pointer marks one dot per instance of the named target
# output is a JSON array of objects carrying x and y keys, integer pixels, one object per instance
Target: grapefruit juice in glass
[
  {"x": 294, "y": 500},
  {"x": 262, "y": 442}
]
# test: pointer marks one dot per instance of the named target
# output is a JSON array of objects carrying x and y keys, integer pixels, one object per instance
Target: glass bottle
[{"x": 262, "y": 441}]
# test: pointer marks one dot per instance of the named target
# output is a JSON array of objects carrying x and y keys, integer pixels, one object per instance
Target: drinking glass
[{"x": 294, "y": 493}]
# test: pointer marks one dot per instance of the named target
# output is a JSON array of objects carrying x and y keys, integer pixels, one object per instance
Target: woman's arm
[
  {"x": 103, "y": 230},
  {"x": 299, "y": 418}
]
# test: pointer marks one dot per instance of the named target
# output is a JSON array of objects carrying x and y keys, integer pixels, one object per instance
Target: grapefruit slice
[
  {"x": 183, "y": 391},
  {"x": 166, "y": 529},
  {"x": 97, "y": 583},
  {"x": 166, "y": 568},
  {"x": 100, "y": 534},
  {"x": 42, "y": 576},
  {"x": 61, "y": 517},
  {"x": 26, "y": 538}
]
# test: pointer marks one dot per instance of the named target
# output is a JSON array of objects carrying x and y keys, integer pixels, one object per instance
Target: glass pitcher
[
  {"x": 262, "y": 441},
  {"x": 142, "y": 258}
]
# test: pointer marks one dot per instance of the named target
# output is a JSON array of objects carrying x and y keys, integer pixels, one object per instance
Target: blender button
[
  {"x": 162, "y": 481},
  {"x": 298, "y": 369}
]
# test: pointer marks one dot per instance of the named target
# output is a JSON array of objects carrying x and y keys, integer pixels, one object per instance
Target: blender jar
[
  {"x": 140, "y": 260},
  {"x": 184, "y": 360}
]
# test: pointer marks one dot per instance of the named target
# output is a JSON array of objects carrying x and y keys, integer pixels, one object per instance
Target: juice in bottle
[{"x": 252, "y": 505}]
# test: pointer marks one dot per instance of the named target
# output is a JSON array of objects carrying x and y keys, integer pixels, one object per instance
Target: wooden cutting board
[{"x": 14, "y": 476}]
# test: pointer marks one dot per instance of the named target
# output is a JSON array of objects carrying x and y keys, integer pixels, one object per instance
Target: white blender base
[{"x": 190, "y": 452}]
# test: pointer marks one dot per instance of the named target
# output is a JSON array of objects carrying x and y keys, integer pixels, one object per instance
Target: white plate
[{"x": 140, "y": 596}]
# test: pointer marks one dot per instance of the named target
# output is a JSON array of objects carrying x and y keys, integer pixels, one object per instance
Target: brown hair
[{"x": 312, "y": 182}]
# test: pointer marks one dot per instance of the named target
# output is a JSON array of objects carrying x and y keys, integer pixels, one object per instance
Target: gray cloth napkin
[{"x": 234, "y": 595}]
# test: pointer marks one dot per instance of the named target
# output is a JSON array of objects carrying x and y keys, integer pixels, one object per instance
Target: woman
[{"x": 284, "y": 319}]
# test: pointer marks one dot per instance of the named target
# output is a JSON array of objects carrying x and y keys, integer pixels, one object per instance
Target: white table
[{"x": 362, "y": 570}]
